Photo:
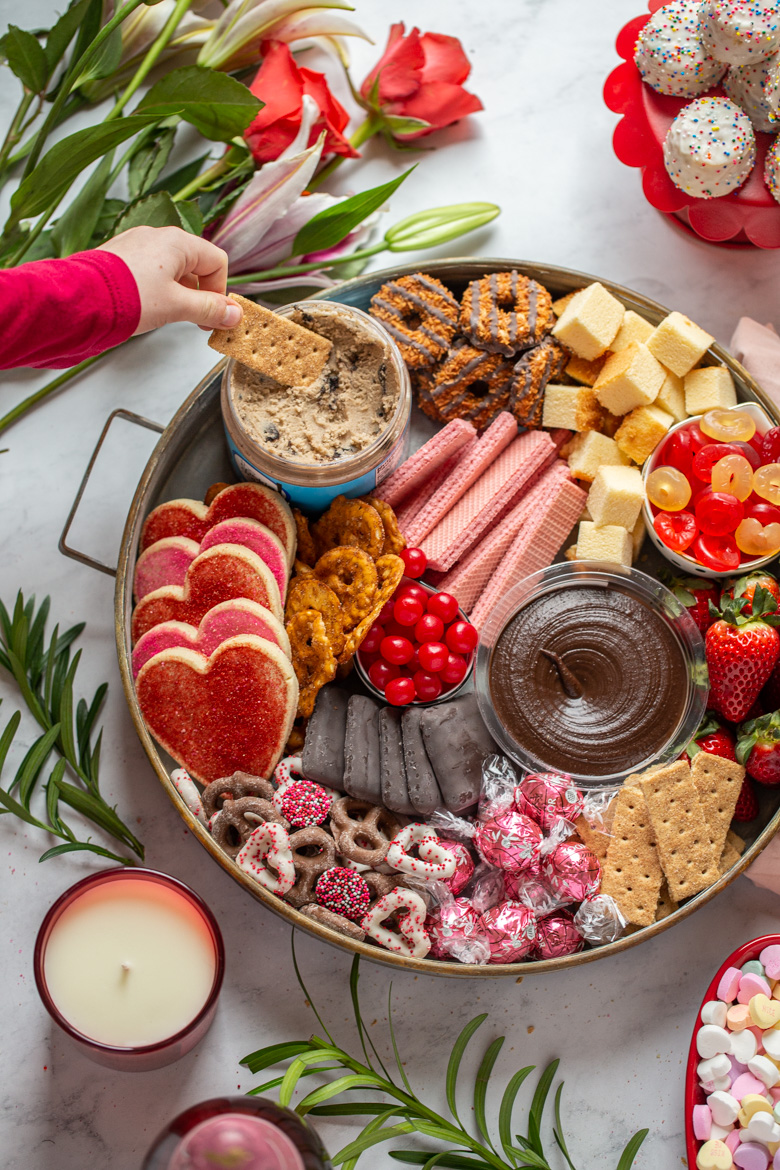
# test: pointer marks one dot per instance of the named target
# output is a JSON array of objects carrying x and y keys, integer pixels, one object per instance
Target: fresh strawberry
[
  {"x": 742, "y": 648},
  {"x": 758, "y": 748},
  {"x": 695, "y": 593},
  {"x": 747, "y": 802},
  {"x": 745, "y": 587},
  {"x": 713, "y": 738}
]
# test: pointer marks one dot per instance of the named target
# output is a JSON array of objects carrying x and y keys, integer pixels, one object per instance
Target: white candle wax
[{"x": 129, "y": 963}]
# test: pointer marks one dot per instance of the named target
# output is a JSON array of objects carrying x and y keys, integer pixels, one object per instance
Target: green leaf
[
  {"x": 481, "y": 1086},
  {"x": 63, "y": 32},
  {"x": 332, "y": 224},
  {"x": 55, "y": 172},
  {"x": 455, "y": 1161},
  {"x": 276, "y": 1082},
  {"x": 631, "y": 1150},
  {"x": 558, "y": 1128},
  {"x": 190, "y": 216},
  {"x": 507, "y": 1105},
  {"x": 6, "y": 738},
  {"x": 397, "y": 124},
  {"x": 88, "y": 722},
  {"x": 13, "y": 806},
  {"x": 214, "y": 103},
  {"x": 104, "y": 62},
  {"x": 35, "y": 642},
  {"x": 181, "y": 177},
  {"x": 374, "y": 1139},
  {"x": 33, "y": 763},
  {"x": 65, "y": 713},
  {"x": 527, "y": 1158},
  {"x": 53, "y": 794},
  {"x": 295, "y": 1071},
  {"x": 26, "y": 58},
  {"x": 147, "y": 161},
  {"x": 274, "y": 1054},
  {"x": 340, "y": 1085},
  {"x": 159, "y": 210},
  {"x": 399, "y": 1066},
  {"x": 83, "y": 847},
  {"x": 456, "y": 1056},
  {"x": 537, "y": 1106},
  {"x": 75, "y": 228},
  {"x": 109, "y": 213},
  {"x": 357, "y": 1109},
  {"x": 89, "y": 27}
]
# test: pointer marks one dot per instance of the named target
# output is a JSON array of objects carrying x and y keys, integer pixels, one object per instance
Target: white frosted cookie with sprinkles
[
  {"x": 747, "y": 86},
  {"x": 670, "y": 55},
  {"x": 710, "y": 148},
  {"x": 739, "y": 32}
]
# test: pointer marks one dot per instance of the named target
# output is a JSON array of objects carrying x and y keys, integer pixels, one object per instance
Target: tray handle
[{"x": 63, "y": 545}]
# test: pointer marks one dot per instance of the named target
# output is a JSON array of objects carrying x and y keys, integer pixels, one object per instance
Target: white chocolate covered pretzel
[
  {"x": 432, "y": 861},
  {"x": 411, "y": 938},
  {"x": 188, "y": 791},
  {"x": 266, "y": 856}
]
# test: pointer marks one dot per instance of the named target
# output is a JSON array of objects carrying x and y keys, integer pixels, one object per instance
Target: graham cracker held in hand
[
  {"x": 273, "y": 345},
  {"x": 718, "y": 782},
  {"x": 686, "y": 849},
  {"x": 632, "y": 872}
]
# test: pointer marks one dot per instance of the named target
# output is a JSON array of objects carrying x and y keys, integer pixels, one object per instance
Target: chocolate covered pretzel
[
  {"x": 313, "y": 851},
  {"x": 233, "y": 824},
  {"x": 336, "y": 922},
  {"x": 234, "y": 787},
  {"x": 362, "y": 831}
]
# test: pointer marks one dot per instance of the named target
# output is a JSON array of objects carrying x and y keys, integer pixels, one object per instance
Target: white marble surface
[{"x": 542, "y": 150}]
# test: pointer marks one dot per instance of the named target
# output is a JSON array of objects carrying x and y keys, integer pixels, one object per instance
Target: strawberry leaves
[
  {"x": 765, "y": 730},
  {"x": 734, "y": 611}
]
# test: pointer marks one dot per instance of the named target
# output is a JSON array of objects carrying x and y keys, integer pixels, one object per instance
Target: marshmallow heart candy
[
  {"x": 714, "y": 1155},
  {"x": 219, "y": 574},
  {"x": 230, "y": 712},
  {"x": 711, "y": 1040},
  {"x": 714, "y": 1012},
  {"x": 228, "y": 620},
  {"x": 191, "y": 519},
  {"x": 770, "y": 959}
]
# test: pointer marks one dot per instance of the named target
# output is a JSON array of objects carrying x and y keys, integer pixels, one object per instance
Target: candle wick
[
  {"x": 125, "y": 967},
  {"x": 572, "y": 687}
]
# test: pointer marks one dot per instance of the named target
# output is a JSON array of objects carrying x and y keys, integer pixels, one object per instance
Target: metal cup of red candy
[
  {"x": 420, "y": 649},
  {"x": 713, "y": 492}
]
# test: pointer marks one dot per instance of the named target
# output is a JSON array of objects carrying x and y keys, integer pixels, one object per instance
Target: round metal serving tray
[{"x": 192, "y": 454}]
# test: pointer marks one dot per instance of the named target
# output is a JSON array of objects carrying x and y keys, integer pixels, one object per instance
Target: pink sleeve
[{"x": 56, "y": 313}]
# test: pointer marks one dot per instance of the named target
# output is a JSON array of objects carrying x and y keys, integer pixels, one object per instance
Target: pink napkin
[
  {"x": 765, "y": 870},
  {"x": 757, "y": 347}
]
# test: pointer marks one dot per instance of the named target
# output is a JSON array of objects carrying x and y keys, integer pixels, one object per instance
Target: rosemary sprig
[
  {"x": 45, "y": 673},
  {"x": 405, "y": 1113}
]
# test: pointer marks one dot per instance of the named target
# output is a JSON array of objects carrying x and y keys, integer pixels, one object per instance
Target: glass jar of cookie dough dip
[{"x": 343, "y": 433}]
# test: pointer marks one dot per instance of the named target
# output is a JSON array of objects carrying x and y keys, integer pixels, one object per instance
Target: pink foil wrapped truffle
[
  {"x": 556, "y": 936},
  {"x": 510, "y": 841},
  {"x": 572, "y": 871},
  {"x": 511, "y": 931},
  {"x": 548, "y": 797}
]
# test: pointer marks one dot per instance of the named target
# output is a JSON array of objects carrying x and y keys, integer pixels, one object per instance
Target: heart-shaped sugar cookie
[
  {"x": 411, "y": 938},
  {"x": 231, "y": 712},
  {"x": 219, "y": 574},
  {"x": 224, "y": 621},
  {"x": 192, "y": 519}
]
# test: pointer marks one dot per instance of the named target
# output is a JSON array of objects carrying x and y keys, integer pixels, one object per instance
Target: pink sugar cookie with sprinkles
[
  {"x": 670, "y": 55},
  {"x": 739, "y": 32},
  {"x": 710, "y": 148}
]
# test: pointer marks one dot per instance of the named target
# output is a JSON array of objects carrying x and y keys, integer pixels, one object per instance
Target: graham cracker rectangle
[
  {"x": 687, "y": 852},
  {"x": 273, "y": 345},
  {"x": 632, "y": 872},
  {"x": 736, "y": 841},
  {"x": 666, "y": 903},
  {"x": 595, "y": 839},
  {"x": 728, "y": 857},
  {"x": 718, "y": 782}
]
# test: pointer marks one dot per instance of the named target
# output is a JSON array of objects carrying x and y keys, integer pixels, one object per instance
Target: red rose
[
  {"x": 281, "y": 85},
  {"x": 422, "y": 77}
]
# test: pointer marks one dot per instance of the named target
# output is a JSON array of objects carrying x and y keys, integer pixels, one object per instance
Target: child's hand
[{"x": 180, "y": 277}]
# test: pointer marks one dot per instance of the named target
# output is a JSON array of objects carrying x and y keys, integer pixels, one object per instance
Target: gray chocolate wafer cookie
[
  {"x": 457, "y": 742},
  {"x": 361, "y": 750},
  {"x": 421, "y": 780},
  {"x": 323, "y": 749},
  {"x": 395, "y": 793}
]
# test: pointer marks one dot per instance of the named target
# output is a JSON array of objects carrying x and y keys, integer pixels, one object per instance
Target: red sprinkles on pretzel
[
  {"x": 303, "y": 803},
  {"x": 344, "y": 892}
]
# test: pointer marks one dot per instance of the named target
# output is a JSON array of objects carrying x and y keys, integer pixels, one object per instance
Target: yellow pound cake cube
[
  {"x": 634, "y": 329},
  {"x": 590, "y": 322},
  {"x": 574, "y": 407},
  {"x": 612, "y": 544},
  {"x": 641, "y": 431},
  {"x": 562, "y": 302},
  {"x": 679, "y": 344},
  {"x": 588, "y": 451},
  {"x": 630, "y": 378},
  {"x": 585, "y": 372},
  {"x": 616, "y": 496},
  {"x": 709, "y": 388},
  {"x": 671, "y": 397}
]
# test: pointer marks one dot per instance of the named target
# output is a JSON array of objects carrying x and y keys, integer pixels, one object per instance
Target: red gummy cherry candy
[
  {"x": 408, "y": 588},
  {"x": 386, "y": 613},
  {"x": 770, "y": 446},
  {"x": 461, "y": 637},
  {"x": 381, "y": 673},
  {"x": 717, "y": 552},
  {"x": 415, "y": 561},
  {"x": 749, "y": 451},
  {"x": 705, "y": 459},
  {"x": 400, "y": 691},
  {"x": 455, "y": 670},
  {"x": 370, "y": 644},
  {"x": 429, "y": 628},
  {"x": 718, "y": 513},
  {"x": 678, "y": 451},
  {"x": 427, "y": 686},
  {"x": 407, "y": 611},
  {"x": 762, "y": 511},
  {"x": 396, "y": 650},
  {"x": 433, "y": 656},
  {"x": 444, "y": 605},
  {"x": 677, "y": 530}
]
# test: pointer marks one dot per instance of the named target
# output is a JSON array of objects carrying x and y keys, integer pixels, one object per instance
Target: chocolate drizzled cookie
[
  {"x": 472, "y": 384},
  {"x": 506, "y": 312},
  {"x": 420, "y": 314},
  {"x": 534, "y": 370}
]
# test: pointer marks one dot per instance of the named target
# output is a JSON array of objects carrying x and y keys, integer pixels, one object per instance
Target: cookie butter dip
[{"x": 343, "y": 411}]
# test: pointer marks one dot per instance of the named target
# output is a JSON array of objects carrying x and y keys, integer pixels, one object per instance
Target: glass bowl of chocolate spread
[{"x": 591, "y": 670}]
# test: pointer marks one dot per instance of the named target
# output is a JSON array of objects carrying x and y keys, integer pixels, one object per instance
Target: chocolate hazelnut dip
[
  {"x": 589, "y": 680},
  {"x": 341, "y": 412}
]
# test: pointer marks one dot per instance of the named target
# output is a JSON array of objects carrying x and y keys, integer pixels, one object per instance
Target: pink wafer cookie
[
  {"x": 471, "y": 575},
  {"x": 414, "y": 503},
  {"x": 420, "y": 466},
  {"x": 484, "y": 502},
  {"x": 534, "y": 547},
  {"x": 227, "y": 620},
  {"x": 496, "y": 439}
]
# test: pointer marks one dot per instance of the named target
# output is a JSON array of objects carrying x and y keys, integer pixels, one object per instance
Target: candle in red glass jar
[{"x": 129, "y": 963}]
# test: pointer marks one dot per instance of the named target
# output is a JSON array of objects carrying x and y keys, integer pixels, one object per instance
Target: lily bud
[{"x": 437, "y": 225}]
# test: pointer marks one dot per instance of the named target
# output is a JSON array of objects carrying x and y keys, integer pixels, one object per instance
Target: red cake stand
[{"x": 748, "y": 217}]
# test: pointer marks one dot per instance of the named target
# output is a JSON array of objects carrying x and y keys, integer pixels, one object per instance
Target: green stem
[
  {"x": 365, "y": 130},
  {"x": 296, "y": 269},
  {"x": 67, "y": 376},
  {"x": 74, "y": 70},
  {"x": 215, "y": 171},
  {"x": 16, "y": 129},
  {"x": 152, "y": 56}
]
